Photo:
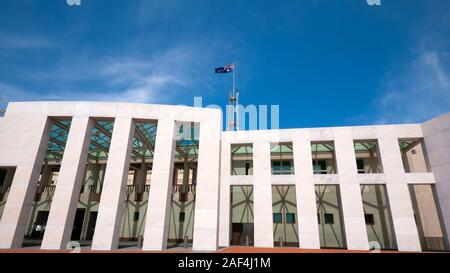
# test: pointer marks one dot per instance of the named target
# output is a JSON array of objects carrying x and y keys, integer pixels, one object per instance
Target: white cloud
[
  {"x": 419, "y": 91},
  {"x": 157, "y": 77}
]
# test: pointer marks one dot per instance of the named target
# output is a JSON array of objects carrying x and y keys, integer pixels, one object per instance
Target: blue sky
[{"x": 325, "y": 62}]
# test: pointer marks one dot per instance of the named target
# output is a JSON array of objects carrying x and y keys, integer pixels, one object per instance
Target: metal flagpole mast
[
  {"x": 233, "y": 99},
  {"x": 233, "y": 123},
  {"x": 236, "y": 98}
]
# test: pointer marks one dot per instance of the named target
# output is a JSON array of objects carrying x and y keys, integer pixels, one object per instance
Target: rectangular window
[
  {"x": 184, "y": 168},
  {"x": 241, "y": 218},
  {"x": 414, "y": 157},
  {"x": 282, "y": 158},
  {"x": 277, "y": 218},
  {"x": 369, "y": 219},
  {"x": 241, "y": 159},
  {"x": 367, "y": 156},
  {"x": 136, "y": 216},
  {"x": 377, "y": 214},
  {"x": 360, "y": 165},
  {"x": 323, "y": 157},
  {"x": 328, "y": 218},
  {"x": 290, "y": 218},
  {"x": 320, "y": 166},
  {"x": 428, "y": 217},
  {"x": 181, "y": 216}
]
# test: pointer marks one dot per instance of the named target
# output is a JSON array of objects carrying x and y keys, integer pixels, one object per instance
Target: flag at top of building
[{"x": 224, "y": 69}]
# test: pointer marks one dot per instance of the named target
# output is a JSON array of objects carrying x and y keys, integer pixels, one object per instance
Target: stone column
[
  {"x": 21, "y": 195},
  {"x": 206, "y": 215},
  {"x": 308, "y": 229},
  {"x": 405, "y": 228},
  {"x": 157, "y": 220},
  {"x": 437, "y": 134},
  {"x": 352, "y": 206},
  {"x": 262, "y": 195},
  {"x": 64, "y": 204},
  {"x": 110, "y": 211}
]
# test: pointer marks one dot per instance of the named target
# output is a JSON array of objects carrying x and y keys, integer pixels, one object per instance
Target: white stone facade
[{"x": 23, "y": 145}]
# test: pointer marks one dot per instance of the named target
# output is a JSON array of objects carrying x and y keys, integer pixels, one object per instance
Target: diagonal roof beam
[
  {"x": 140, "y": 136},
  {"x": 102, "y": 129},
  {"x": 99, "y": 146},
  {"x": 58, "y": 142},
  {"x": 61, "y": 125}
]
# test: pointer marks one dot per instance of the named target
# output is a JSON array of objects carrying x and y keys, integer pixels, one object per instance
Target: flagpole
[{"x": 236, "y": 94}]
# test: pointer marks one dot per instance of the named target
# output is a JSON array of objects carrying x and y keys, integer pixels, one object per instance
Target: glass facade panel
[
  {"x": 323, "y": 157},
  {"x": 378, "y": 217},
  {"x": 282, "y": 158},
  {"x": 414, "y": 156},
  {"x": 242, "y": 229},
  {"x": 428, "y": 218},
  {"x": 6, "y": 178},
  {"x": 42, "y": 199},
  {"x": 138, "y": 184},
  {"x": 367, "y": 156},
  {"x": 241, "y": 159},
  {"x": 329, "y": 216},
  {"x": 181, "y": 223},
  {"x": 284, "y": 208}
]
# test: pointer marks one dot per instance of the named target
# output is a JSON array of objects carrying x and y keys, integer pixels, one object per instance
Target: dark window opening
[
  {"x": 181, "y": 216},
  {"x": 360, "y": 165},
  {"x": 320, "y": 166},
  {"x": 290, "y": 218},
  {"x": 329, "y": 218},
  {"x": 369, "y": 219},
  {"x": 136, "y": 216},
  {"x": 277, "y": 218}
]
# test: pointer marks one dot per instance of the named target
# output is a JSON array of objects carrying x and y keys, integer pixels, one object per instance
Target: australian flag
[{"x": 224, "y": 69}]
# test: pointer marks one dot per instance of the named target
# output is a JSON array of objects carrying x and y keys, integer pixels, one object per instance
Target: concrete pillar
[
  {"x": 157, "y": 220},
  {"x": 206, "y": 215},
  {"x": 262, "y": 195},
  {"x": 20, "y": 199},
  {"x": 405, "y": 228},
  {"x": 140, "y": 177},
  {"x": 110, "y": 211},
  {"x": 437, "y": 133},
  {"x": 308, "y": 229},
  {"x": 225, "y": 210},
  {"x": 352, "y": 206},
  {"x": 64, "y": 204}
]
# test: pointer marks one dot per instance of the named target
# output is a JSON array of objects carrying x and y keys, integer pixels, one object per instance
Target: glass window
[
  {"x": 136, "y": 216},
  {"x": 184, "y": 169},
  {"x": 428, "y": 217},
  {"x": 284, "y": 209},
  {"x": 369, "y": 219},
  {"x": 181, "y": 216},
  {"x": 281, "y": 155},
  {"x": 277, "y": 218},
  {"x": 360, "y": 165},
  {"x": 378, "y": 217},
  {"x": 323, "y": 157},
  {"x": 367, "y": 156},
  {"x": 242, "y": 215},
  {"x": 320, "y": 166},
  {"x": 329, "y": 216},
  {"x": 414, "y": 155},
  {"x": 241, "y": 159},
  {"x": 290, "y": 218}
]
